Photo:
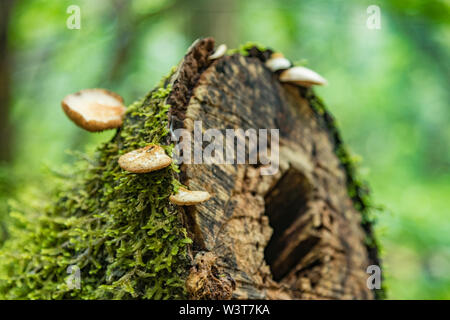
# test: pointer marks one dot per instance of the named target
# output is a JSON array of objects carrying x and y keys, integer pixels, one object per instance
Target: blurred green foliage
[{"x": 389, "y": 90}]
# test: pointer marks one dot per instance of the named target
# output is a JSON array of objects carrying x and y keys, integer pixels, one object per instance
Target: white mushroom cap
[
  {"x": 220, "y": 51},
  {"x": 150, "y": 158},
  {"x": 302, "y": 76},
  {"x": 94, "y": 109},
  {"x": 278, "y": 62},
  {"x": 185, "y": 197}
]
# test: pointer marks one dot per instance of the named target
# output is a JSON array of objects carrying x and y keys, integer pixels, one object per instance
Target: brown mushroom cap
[
  {"x": 94, "y": 109},
  {"x": 185, "y": 197},
  {"x": 150, "y": 158}
]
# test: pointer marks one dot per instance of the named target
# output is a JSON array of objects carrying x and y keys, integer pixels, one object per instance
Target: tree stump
[
  {"x": 301, "y": 233},
  {"x": 292, "y": 235}
]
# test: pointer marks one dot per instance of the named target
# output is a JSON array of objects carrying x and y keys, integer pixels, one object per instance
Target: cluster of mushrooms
[
  {"x": 296, "y": 75},
  {"x": 99, "y": 109}
]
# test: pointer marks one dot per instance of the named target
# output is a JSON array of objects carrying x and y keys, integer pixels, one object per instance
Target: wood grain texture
[{"x": 292, "y": 235}]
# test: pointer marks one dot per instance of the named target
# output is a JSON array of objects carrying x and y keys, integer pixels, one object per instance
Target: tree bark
[
  {"x": 292, "y": 235},
  {"x": 295, "y": 234}
]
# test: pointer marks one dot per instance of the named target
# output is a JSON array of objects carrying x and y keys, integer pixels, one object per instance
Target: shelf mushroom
[
  {"x": 278, "y": 62},
  {"x": 185, "y": 197},
  {"x": 94, "y": 109},
  {"x": 302, "y": 76},
  {"x": 150, "y": 158},
  {"x": 220, "y": 52}
]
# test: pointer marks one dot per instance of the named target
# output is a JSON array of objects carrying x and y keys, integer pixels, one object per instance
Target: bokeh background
[{"x": 389, "y": 88}]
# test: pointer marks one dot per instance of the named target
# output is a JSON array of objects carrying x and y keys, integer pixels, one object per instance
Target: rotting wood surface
[{"x": 292, "y": 235}]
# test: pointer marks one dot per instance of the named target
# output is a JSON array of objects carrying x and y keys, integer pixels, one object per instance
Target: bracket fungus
[
  {"x": 278, "y": 62},
  {"x": 185, "y": 197},
  {"x": 150, "y": 158},
  {"x": 220, "y": 52},
  {"x": 302, "y": 76},
  {"x": 94, "y": 109}
]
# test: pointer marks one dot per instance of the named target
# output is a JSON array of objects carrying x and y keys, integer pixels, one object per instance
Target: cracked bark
[{"x": 292, "y": 235}]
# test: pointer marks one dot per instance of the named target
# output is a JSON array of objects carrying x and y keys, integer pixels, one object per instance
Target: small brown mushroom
[
  {"x": 150, "y": 158},
  {"x": 94, "y": 109},
  {"x": 302, "y": 76},
  {"x": 278, "y": 62},
  {"x": 185, "y": 197},
  {"x": 220, "y": 52}
]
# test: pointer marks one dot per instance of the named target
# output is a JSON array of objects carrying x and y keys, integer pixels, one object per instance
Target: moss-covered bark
[
  {"x": 130, "y": 242},
  {"x": 118, "y": 228}
]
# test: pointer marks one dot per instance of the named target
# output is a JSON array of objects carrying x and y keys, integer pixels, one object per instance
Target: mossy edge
[{"x": 118, "y": 228}]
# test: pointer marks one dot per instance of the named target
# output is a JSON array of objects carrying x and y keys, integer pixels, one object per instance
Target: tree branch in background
[
  {"x": 126, "y": 37},
  {"x": 128, "y": 25},
  {"x": 211, "y": 18},
  {"x": 6, "y": 130}
]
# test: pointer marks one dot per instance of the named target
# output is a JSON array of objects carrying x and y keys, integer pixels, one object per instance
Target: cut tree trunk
[
  {"x": 300, "y": 233},
  {"x": 292, "y": 235}
]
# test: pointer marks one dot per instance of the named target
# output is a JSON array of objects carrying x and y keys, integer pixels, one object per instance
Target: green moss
[
  {"x": 118, "y": 228},
  {"x": 358, "y": 190},
  {"x": 245, "y": 48}
]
